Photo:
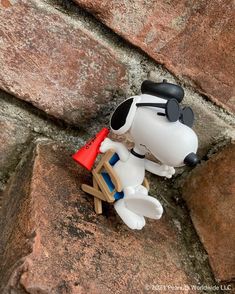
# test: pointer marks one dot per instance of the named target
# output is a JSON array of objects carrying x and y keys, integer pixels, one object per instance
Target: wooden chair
[{"x": 106, "y": 184}]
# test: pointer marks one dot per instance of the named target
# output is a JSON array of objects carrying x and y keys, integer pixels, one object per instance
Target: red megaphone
[{"x": 86, "y": 156}]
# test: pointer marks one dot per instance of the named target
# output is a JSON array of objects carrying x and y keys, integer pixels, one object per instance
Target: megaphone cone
[{"x": 86, "y": 156}]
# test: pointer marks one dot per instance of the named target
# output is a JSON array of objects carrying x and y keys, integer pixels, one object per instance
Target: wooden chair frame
[{"x": 100, "y": 189}]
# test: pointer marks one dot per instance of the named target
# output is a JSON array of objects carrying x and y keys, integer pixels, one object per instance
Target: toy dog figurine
[{"x": 157, "y": 125}]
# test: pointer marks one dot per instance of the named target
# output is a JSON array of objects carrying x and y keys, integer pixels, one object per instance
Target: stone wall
[{"x": 65, "y": 65}]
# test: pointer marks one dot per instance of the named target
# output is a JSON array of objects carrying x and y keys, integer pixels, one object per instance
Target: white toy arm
[
  {"x": 160, "y": 170},
  {"x": 119, "y": 148}
]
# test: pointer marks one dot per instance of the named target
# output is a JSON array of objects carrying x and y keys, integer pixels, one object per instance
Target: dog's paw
[
  {"x": 131, "y": 219},
  {"x": 144, "y": 205},
  {"x": 167, "y": 171},
  {"x": 117, "y": 147},
  {"x": 106, "y": 145}
]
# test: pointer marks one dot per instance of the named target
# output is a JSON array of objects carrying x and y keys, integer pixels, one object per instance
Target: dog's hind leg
[
  {"x": 144, "y": 205},
  {"x": 131, "y": 219}
]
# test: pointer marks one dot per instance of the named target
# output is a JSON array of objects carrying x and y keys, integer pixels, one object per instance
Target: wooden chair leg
[
  {"x": 103, "y": 187},
  {"x": 98, "y": 205},
  {"x": 146, "y": 184},
  {"x": 92, "y": 191},
  {"x": 97, "y": 202}
]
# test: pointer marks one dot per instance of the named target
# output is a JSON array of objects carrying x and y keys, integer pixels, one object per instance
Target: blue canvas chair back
[{"x": 106, "y": 177}]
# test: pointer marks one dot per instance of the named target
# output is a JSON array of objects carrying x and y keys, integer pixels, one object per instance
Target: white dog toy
[{"x": 157, "y": 125}]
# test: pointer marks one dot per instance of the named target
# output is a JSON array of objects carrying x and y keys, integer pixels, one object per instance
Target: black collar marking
[{"x": 137, "y": 154}]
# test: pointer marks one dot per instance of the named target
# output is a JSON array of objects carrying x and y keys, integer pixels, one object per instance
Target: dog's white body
[{"x": 169, "y": 142}]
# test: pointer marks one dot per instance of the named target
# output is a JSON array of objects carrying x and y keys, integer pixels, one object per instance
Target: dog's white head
[{"x": 158, "y": 125}]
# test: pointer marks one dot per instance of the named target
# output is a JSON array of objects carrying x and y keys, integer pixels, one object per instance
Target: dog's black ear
[{"x": 119, "y": 117}]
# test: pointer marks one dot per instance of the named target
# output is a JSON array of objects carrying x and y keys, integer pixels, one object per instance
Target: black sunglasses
[{"x": 173, "y": 111}]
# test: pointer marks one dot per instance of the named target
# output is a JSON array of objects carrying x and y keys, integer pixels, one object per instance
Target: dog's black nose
[{"x": 191, "y": 159}]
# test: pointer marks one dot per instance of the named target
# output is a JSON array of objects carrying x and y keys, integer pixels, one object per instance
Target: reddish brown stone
[
  {"x": 50, "y": 62},
  {"x": 5, "y": 3},
  {"x": 193, "y": 39},
  {"x": 52, "y": 241},
  {"x": 13, "y": 138},
  {"x": 210, "y": 195}
]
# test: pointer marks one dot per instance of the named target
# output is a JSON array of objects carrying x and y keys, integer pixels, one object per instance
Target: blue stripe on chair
[
  {"x": 114, "y": 159},
  {"x": 106, "y": 177}
]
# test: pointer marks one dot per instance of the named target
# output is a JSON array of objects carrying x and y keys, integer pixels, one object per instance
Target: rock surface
[
  {"x": 194, "y": 40},
  {"x": 210, "y": 196},
  {"x": 51, "y": 62},
  {"x": 57, "y": 57},
  {"x": 52, "y": 241},
  {"x": 13, "y": 138}
]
